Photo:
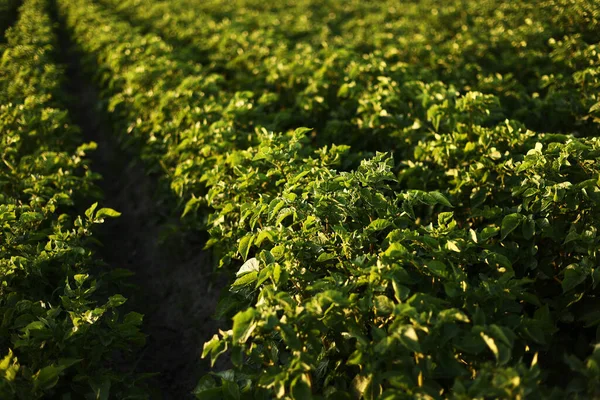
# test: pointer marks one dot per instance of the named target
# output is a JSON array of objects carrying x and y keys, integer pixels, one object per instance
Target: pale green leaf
[
  {"x": 249, "y": 266},
  {"x": 243, "y": 325},
  {"x": 510, "y": 223}
]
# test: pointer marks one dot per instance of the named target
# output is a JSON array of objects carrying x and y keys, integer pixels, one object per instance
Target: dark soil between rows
[{"x": 173, "y": 285}]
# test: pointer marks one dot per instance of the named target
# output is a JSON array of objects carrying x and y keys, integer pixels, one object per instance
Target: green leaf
[
  {"x": 594, "y": 108},
  {"x": 276, "y": 274},
  {"x": 245, "y": 244},
  {"x": 410, "y": 339},
  {"x": 360, "y": 384},
  {"x": 283, "y": 214},
  {"x": 510, "y": 223},
  {"x": 571, "y": 236},
  {"x": 528, "y": 229},
  {"x": 35, "y": 326},
  {"x": 64, "y": 363},
  {"x": 101, "y": 389},
  {"x": 473, "y": 236},
  {"x": 245, "y": 279},
  {"x": 591, "y": 318},
  {"x": 207, "y": 389},
  {"x": 478, "y": 198},
  {"x": 191, "y": 205},
  {"x": 46, "y": 378},
  {"x": 408, "y": 209},
  {"x": 596, "y": 277},
  {"x": 107, "y": 212},
  {"x": 339, "y": 395},
  {"x": 445, "y": 218},
  {"x": 378, "y": 225},
  {"x": 301, "y": 388},
  {"x": 479, "y": 317},
  {"x": 325, "y": 257},
  {"x": 573, "y": 276},
  {"x": 243, "y": 325},
  {"x": 302, "y": 131},
  {"x": 491, "y": 343},
  {"x": 89, "y": 213},
  {"x": 437, "y": 268},
  {"x": 215, "y": 347},
  {"x": 278, "y": 251},
  {"x": 249, "y": 266},
  {"x": 383, "y": 305},
  {"x": 452, "y": 245},
  {"x": 453, "y": 315},
  {"x": 274, "y": 207},
  {"x": 488, "y": 232},
  {"x": 134, "y": 318},
  {"x": 231, "y": 390},
  {"x": 265, "y": 234},
  {"x": 440, "y": 199},
  {"x": 116, "y": 300},
  {"x": 499, "y": 334},
  {"x": 80, "y": 279},
  {"x": 401, "y": 292},
  {"x": 497, "y": 259},
  {"x": 396, "y": 250},
  {"x": 263, "y": 275}
]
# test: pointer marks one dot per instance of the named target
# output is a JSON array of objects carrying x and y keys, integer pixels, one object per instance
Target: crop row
[
  {"x": 59, "y": 329},
  {"x": 464, "y": 271},
  {"x": 322, "y": 62}
]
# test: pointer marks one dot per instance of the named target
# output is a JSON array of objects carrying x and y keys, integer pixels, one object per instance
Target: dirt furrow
[{"x": 172, "y": 283}]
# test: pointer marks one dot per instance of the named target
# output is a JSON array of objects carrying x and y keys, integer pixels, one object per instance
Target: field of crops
[{"x": 300, "y": 199}]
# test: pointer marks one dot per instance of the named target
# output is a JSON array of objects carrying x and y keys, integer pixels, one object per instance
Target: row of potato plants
[
  {"x": 59, "y": 329},
  {"x": 468, "y": 269},
  {"x": 321, "y": 65}
]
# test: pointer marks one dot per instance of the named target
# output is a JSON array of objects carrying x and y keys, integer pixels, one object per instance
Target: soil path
[{"x": 172, "y": 282}]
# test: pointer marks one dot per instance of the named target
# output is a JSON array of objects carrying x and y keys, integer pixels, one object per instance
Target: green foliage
[
  {"x": 351, "y": 287},
  {"x": 461, "y": 263},
  {"x": 59, "y": 328}
]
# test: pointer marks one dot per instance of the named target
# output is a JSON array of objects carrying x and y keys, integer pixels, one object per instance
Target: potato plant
[
  {"x": 59, "y": 325},
  {"x": 405, "y": 197}
]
